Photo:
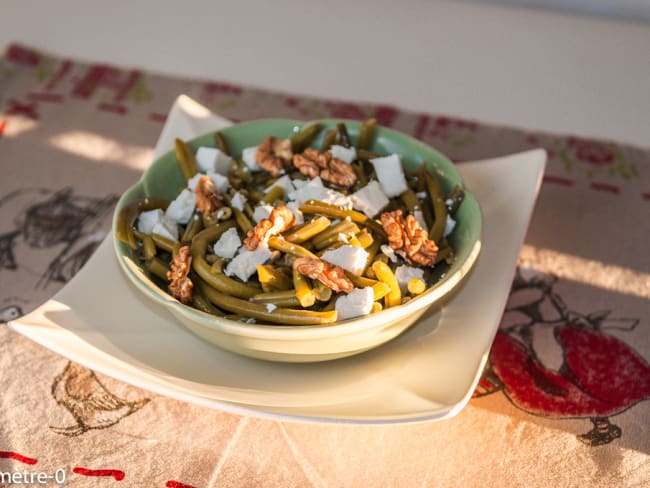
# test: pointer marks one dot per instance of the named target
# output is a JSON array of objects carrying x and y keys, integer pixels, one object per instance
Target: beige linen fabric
[{"x": 562, "y": 403}]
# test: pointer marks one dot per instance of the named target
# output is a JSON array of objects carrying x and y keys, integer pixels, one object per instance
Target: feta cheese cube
[
  {"x": 285, "y": 183},
  {"x": 406, "y": 273},
  {"x": 293, "y": 206},
  {"x": 350, "y": 258},
  {"x": 238, "y": 201},
  {"x": 312, "y": 189},
  {"x": 298, "y": 183},
  {"x": 355, "y": 304},
  {"x": 167, "y": 228},
  {"x": 390, "y": 174},
  {"x": 220, "y": 181},
  {"x": 209, "y": 159},
  {"x": 262, "y": 211},
  {"x": 388, "y": 251},
  {"x": 315, "y": 190},
  {"x": 370, "y": 199},
  {"x": 147, "y": 220},
  {"x": 194, "y": 181},
  {"x": 337, "y": 198},
  {"x": 450, "y": 225},
  {"x": 227, "y": 245},
  {"x": 248, "y": 156},
  {"x": 245, "y": 263},
  {"x": 343, "y": 153},
  {"x": 182, "y": 207}
]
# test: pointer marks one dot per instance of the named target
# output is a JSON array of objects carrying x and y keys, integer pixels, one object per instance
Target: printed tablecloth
[{"x": 561, "y": 403}]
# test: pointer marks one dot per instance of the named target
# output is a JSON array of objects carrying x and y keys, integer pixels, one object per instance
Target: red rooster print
[{"x": 554, "y": 362}]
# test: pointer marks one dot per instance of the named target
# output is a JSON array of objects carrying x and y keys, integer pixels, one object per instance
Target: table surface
[
  {"x": 525, "y": 68},
  {"x": 563, "y": 401}
]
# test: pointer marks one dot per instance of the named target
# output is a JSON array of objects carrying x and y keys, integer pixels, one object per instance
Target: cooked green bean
[
  {"x": 322, "y": 292},
  {"x": 456, "y": 196},
  {"x": 366, "y": 134},
  {"x": 285, "y": 298},
  {"x": 194, "y": 226},
  {"x": 328, "y": 140},
  {"x": 242, "y": 221},
  {"x": 157, "y": 267},
  {"x": 270, "y": 276},
  {"x": 385, "y": 274},
  {"x": 331, "y": 235},
  {"x": 304, "y": 292},
  {"x": 290, "y": 248},
  {"x": 343, "y": 136},
  {"x": 203, "y": 269},
  {"x": 317, "y": 207},
  {"x": 309, "y": 230},
  {"x": 185, "y": 158},
  {"x": 439, "y": 207},
  {"x": 367, "y": 155},
  {"x": 275, "y": 193},
  {"x": 258, "y": 311},
  {"x": 221, "y": 143},
  {"x": 148, "y": 247},
  {"x": 304, "y": 137},
  {"x": 165, "y": 243},
  {"x": 128, "y": 215},
  {"x": 410, "y": 200}
]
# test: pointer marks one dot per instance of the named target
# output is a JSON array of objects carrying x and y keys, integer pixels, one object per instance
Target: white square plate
[{"x": 427, "y": 373}]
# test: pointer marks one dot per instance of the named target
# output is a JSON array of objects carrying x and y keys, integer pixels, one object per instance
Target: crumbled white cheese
[
  {"x": 344, "y": 153},
  {"x": 248, "y": 156},
  {"x": 284, "y": 182},
  {"x": 312, "y": 189},
  {"x": 149, "y": 218},
  {"x": 388, "y": 251},
  {"x": 270, "y": 307},
  {"x": 194, "y": 181},
  {"x": 220, "y": 181},
  {"x": 293, "y": 206},
  {"x": 355, "y": 304},
  {"x": 262, "y": 211},
  {"x": 211, "y": 159},
  {"x": 421, "y": 195},
  {"x": 182, "y": 207},
  {"x": 418, "y": 215},
  {"x": 406, "y": 273},
  {"x": 343, "y": 237},
  {"x": 337, "y": 198},
  {"x": 298, "y": 183},
  {"x": 167, "y": 228},
  {"x": 245, "y": 263},
  {"x": 227, "y": 245},
  {"x": 450, "y": 225},
  {"x": 370, "y": 199},
  {"x": 350, "y": 258},
  {"x": 390, "y": 174},
  {"x": 238, "y": 201}
]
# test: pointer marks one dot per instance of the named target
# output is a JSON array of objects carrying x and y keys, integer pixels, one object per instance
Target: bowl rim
[{"x": 301, "y": 332}]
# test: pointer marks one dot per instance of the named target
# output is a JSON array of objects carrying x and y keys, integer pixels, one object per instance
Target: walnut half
[
  {"x": 273, "y": 155},
  {"x": 180, "y": 285},
  {"x": 405, "y": 234},
  {"x": 207, "y": 198},
  {"x": 328, "y": 274},
  {"x": 281, "y": 219},
  {"x": 336, "y": 172}
]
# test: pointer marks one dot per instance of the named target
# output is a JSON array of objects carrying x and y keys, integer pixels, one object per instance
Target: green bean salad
[{"x": 289, "y": 233}]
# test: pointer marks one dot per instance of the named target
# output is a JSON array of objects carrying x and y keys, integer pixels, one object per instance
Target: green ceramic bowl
[{"x": 309, "y": 343}]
